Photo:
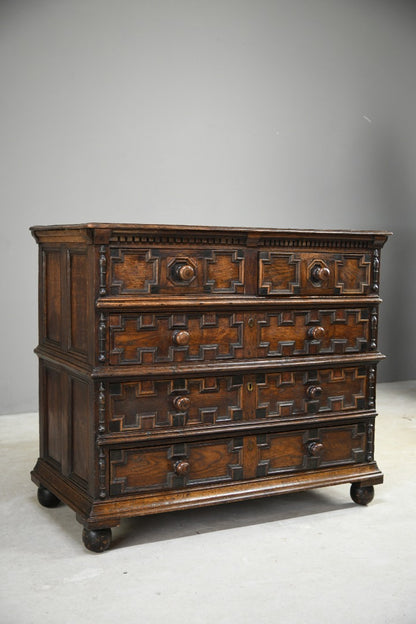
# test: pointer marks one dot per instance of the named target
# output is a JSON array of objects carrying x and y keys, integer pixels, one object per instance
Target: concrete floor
[{"x": 312, "y": 557}]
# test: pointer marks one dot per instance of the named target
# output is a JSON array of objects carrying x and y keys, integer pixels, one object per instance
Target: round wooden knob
[
  {"x": 182, "y": 272},
  {"x": 320, "y": 274},
  {"x": 186, "y": 272},
  {"x": 181, "y": 403},
  {"x": 181, "y": 467},
  {"x": 181, "y": 338},
  {"x": 315, "y": 448},
  {"x": 316, "y": 333},
  {"x": 314, "y": 392}
]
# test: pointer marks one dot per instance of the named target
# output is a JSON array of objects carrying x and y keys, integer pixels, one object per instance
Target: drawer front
[
  {"x": 219, "y": 461},
  {"x": 315, "y": 332},
  {"x": 157, "y": 406},
  {"x": 161, "y": 338},
  {"x": 299, "y": 393},
  {"x": 141, "y": 272},
  {"x": 288, "y": 273}
]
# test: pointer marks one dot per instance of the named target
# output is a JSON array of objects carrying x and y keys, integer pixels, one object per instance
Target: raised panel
[
  {"x": 152, "y": 338},
  {"x": 139, "y": 470},
  {"x": 54, "y": 417},
  {"x": 80, "y": 425},
  {"x": 285, "y": 394},
  {"x": 52, "y": 296},
  {"x": 343, "y": 445},
  {"x": 318, "y": 273},
  {"x": 353, "y": 274},
  {"x": 155, "y": 271},
  {"x": 224, "y": 272},
  {"x": 279, "y": 273},
  {"x": 288, "y": 332},
  {"x": 134, "y": 272},
  {"x": 147, "y": 405},
  {"x": 78, "y": 277},
  {"x": 297, "y": 450}
]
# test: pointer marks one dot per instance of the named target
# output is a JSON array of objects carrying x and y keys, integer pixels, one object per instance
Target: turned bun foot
[
  {"x": 362, "y": 495},
  {"x": 96, "y": 540},
  {"x": 46, "y": 498}
]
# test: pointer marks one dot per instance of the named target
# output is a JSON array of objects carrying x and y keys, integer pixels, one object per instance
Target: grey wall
[{"x": 252, "y": 113}]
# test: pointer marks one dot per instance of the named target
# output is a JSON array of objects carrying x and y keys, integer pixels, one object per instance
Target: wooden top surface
[{"x": 207, "y": 229}]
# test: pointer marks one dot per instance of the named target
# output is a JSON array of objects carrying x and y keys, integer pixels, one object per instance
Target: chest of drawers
[{"x": 190, "y": 366}]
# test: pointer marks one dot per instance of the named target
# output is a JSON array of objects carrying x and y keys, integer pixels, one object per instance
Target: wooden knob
[
  {"x": 314, "y": 392},
  {"x": 320, "y": 274},
  {"x": 315, "y": 448},
  {"x": 186, "y": 272},
  {"x": 181, "y": 467},
  {"x": 183, "y": 272},
  {"x": 181, "y": 338},
  {"x": 316, "y": 333},
  {"x": 181, "y": 403}
]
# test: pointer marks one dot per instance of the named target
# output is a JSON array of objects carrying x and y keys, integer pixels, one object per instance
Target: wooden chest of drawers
[{"x": 190, "y": 366}]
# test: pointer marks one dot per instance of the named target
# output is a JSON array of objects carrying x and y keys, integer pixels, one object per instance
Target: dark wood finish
[
  {"x": 362, "y": 495},
  {"x": 96, "y": 540},
  {"x": 46, "y": 498},
  {"x": 187, "y": 366}
]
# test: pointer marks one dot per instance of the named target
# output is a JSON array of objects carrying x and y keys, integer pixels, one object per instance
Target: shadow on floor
[{"x": 179, "y": 524}]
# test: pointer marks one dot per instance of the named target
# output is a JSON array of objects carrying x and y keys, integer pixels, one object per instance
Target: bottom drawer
[{"x": 211, "y": 462}]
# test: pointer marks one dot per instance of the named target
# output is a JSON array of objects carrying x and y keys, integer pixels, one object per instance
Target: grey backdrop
[{"x": 296, "y": 113}]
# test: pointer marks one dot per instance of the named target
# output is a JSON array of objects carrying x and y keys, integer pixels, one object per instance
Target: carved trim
[
  {"x": 315, "y": 243},
  {"x": 102, "y": 338},
  {"x": 103, "y": 271},
  {"x": 177, "y": 239},
  {"x": 209, "y": 240},
  {"x": 376, "y": 270},
  {"x": 370, "y": 442},
  {"x": 101, "y": 472},
  {"x": 373, "y": 328},
  {"x": 371, "y": 387},
  {"x": 101, "y": 430},
  {"x": 101, "y": 409}
]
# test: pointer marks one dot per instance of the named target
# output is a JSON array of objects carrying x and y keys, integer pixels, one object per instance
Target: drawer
[
  {"x": 176, "y": 271},
  {"x": 286, "y": 273},
  {"x": 152, "y": 338},
  {"x": 299, "y": 393},
  {"x": 162, "y": 338},
  {"x": 284, "y": 333},
  {"x": 159, "y": 405},
  {"x": 218, "y": 461}
]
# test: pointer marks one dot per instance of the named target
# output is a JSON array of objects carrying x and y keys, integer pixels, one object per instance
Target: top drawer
[
  {"x": 176, "y": 271},
  {"x": 293, "y": 273}
]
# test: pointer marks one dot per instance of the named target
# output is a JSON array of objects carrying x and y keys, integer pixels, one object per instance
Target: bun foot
[
  {"x": 46, "y": 498},
  {"x": 362, "y": 495},
  {"x": 96, "y": 540}
]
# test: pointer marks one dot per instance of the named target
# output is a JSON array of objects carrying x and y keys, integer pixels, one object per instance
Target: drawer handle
[
  {"x": 181, "y": 467},
  {"x": 316, "y": 333},
  {"x": 181, "y": 338},
  {"x": 315, "y": 448},
  {"x": 181, "y": 403},
  {"x": 320, "y": 273},
  {"x": 314, "y": 392},
  {"x": 183, "y": 272}
]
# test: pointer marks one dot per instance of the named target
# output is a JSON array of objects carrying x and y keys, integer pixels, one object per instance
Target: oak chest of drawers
[{"x": 190, "y": 366}]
